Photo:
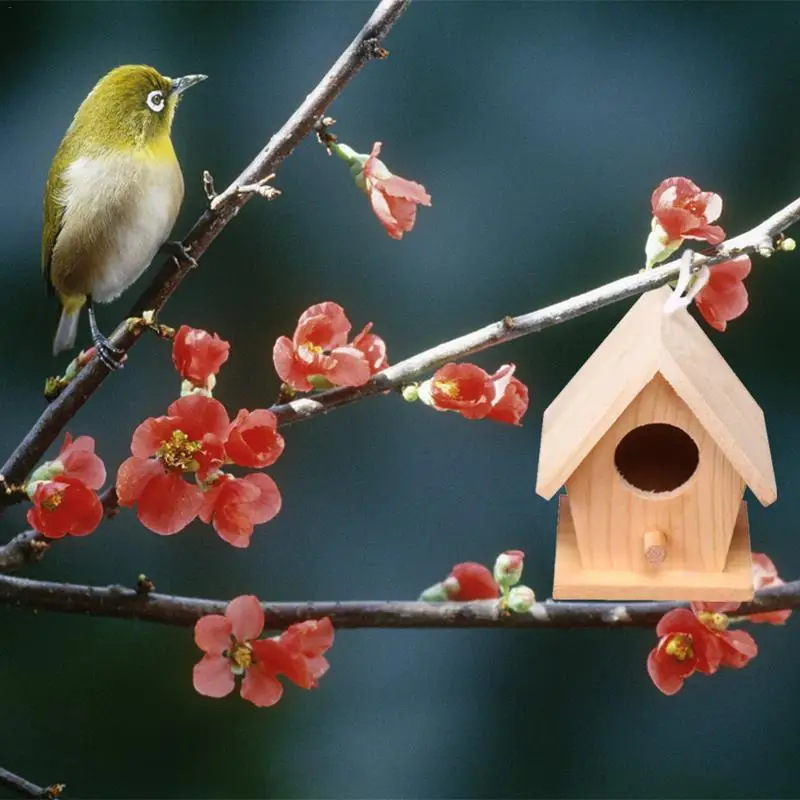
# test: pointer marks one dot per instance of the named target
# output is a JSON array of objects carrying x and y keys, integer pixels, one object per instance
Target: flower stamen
[
  {"x": 178, "y": 452},
  {"x": 680, "y": 647}
]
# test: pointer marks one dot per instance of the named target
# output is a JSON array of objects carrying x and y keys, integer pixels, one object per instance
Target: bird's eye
[{"x": 155, "y": 100}]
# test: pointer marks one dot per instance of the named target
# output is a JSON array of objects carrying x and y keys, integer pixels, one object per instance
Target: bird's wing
[{"x": 53, "y": 213}]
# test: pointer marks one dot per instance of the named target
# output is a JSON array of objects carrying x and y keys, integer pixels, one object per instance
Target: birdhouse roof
[{"x": 647, "y": 342}]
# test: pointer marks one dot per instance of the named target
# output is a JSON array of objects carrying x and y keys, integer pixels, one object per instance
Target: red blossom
[
  {"x": 765, "y": 575},
  {"x": 319, "y": 348},
  {"x": 686, "y": 645},
  {"x": 198, "y": 355},
  {"x": 235, "y": 505},
  {"x": 253, "y": 439},
  {"x": 305, "y": 643},
  {"x": 471, "y": 581},
  {"x": 724, "y": 297},
  {"x": 464, "y": 388},
  {"x": 64, "y": 505},
  {"x": 232, "y": 648},
  {"x": 394, "y": 199},
  {"x": 475, "y": 394},
  {"x": 190, "y": 439},
  {"x": 684, "y": 211},
  {"x": 697, "y": 639}
]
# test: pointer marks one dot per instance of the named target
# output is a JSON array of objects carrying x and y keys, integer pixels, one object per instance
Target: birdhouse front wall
[{"x": 691, "y": 509}]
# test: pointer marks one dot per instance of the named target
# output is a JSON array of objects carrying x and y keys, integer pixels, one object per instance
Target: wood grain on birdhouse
[{"x": 655, "y": 439}]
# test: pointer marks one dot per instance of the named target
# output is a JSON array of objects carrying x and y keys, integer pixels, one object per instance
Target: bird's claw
[
  {"x": 111, "y": 356},
  {"x": 179, "y": 252}
]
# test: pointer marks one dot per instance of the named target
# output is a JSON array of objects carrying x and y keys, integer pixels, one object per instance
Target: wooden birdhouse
[{"x": 655, "y": 438}]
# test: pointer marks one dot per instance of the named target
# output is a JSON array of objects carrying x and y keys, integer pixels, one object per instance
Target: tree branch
[
  {"x": 362, "y": 49},
  {"x": 759, "y": 239},
  {"x": 24, "y": 788},
  {"x": 123, "y": 603}
]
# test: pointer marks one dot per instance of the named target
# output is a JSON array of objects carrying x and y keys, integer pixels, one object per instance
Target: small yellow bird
[{"x": 112, "y": 196}]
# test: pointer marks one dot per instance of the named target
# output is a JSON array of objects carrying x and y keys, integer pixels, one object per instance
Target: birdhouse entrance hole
[{"x": 656, "y": 458}]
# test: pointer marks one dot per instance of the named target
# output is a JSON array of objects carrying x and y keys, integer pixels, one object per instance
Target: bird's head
[{"x": 131, "y": 107}]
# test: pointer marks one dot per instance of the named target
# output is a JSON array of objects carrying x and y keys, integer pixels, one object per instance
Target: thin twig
[
  {"x": 24, "y": 788},
  {"x": 226, "y": 205},
  {"x": 123, "y": 603},
  {"x": 757, "y": 240}
]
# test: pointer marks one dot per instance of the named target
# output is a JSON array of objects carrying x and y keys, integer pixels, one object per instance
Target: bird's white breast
[{"x": 129, "y": 203}]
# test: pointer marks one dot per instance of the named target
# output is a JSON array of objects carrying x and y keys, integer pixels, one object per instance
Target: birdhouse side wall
[{"x": 612, "y": 518}]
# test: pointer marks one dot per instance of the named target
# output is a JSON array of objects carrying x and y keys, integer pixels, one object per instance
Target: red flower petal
[
  {"x": 738, "y": 648},
  {"x": 79, "y": 461},
  {"x": 132, "y": 477},
  {"x": 167, "y": 503},
  {"x": 474, "y": 582},
  {"x": 324, "y": 325},
  {"x": 287, "y": 367},
  {"x": 373, "y": 348},
  {"x": 254, "y": 440},
  {"x": 212, "y": 676},
  {"x": 199, "y": 415},
  {"x": 350, "y": 367},
  {"x": 261, "y": 688},
  {"x": 246, "y": 616},
  {"x": 151, "y": 434},
  {"x": 212, "y": 634},
  {"x": 667, "y": 673}
]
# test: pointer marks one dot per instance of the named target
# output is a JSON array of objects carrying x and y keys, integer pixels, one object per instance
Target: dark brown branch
[
  {"x": 760, "y": 239},
  {"x": 25, "y": 548},
  {"x": 24, "y": 788},
  {"x": 124, "y": 603},
  {"x": 227, "y": 204}
]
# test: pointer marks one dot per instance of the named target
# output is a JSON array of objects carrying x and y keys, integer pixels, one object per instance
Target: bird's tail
[{"x": 67, "y": 328}]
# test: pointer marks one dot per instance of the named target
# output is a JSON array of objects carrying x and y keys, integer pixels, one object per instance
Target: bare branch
[
  {"x": 24, "y": 788},
  {"x": 123, "y": 603},
  {"x": 760, "y": 239},
  {"x": 227, "y": 204}
]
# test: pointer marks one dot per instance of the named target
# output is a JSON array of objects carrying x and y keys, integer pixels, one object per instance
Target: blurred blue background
[{"x": 540, "y": 131}]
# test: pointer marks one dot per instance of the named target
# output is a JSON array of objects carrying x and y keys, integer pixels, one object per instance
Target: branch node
[
  {"x": 508, "y": 323},
  {"x": 373, "y": 49},
  {"x": 54, "y": 790},
  {"x": 208, "y": 186},
  {"x": 324, "y": 136},
  {"x": 144, "y": 585}
]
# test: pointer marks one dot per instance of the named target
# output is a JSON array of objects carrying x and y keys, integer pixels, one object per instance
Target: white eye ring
[{"x": 155, "y": 100}]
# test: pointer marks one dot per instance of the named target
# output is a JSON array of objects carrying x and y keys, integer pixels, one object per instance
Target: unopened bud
[
  {"x": 508, "y": 568},
  {"x": 435, "y": 594},
  {"x": 787, "y": 245},
  {"x": 521, "y": 599},
  {"x": 411, "y": 393}
]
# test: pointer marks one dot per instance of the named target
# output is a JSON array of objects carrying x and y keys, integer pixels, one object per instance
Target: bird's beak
[{"x": 180, "y": 85}]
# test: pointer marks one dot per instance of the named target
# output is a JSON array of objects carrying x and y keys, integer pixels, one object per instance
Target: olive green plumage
[{"x": 113, "y": 192}]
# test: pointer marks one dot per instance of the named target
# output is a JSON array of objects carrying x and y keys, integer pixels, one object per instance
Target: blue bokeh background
[{"x": 540, "y": 131}]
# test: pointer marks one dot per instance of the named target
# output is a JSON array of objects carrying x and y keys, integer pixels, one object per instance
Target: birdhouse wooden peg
[{"x": 655, "y": 439}]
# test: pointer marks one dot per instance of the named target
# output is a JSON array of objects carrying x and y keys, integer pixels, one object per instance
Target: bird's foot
[
  {"x": 179, "y": 252},
  {"x": 111, "y": 356}
]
